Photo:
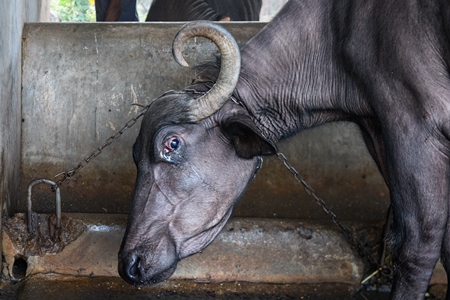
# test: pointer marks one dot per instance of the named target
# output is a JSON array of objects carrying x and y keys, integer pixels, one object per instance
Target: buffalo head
[{"x": 194, "y": 156}]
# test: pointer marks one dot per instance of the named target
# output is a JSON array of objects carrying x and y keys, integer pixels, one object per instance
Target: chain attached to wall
[{"x": 69, "y": 173}]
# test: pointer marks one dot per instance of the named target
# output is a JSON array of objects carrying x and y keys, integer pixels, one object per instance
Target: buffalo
[
  {"x": 213, "y": 10},
  {"x": 116, "y": 10},
  {"x": 383, "y": 64},
  {"x": 176, "y": 10}
]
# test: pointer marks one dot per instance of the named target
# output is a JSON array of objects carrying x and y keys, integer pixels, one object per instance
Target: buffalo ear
[{"x": 246, "y": 137}]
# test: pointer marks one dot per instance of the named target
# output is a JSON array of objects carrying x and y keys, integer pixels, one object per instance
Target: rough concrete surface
[
  {"x": 261, "y": 258},
  {"x": 254, "y": 250}
]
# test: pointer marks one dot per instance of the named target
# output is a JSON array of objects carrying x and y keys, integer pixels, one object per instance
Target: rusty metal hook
[{"x": 58, "y": 203}]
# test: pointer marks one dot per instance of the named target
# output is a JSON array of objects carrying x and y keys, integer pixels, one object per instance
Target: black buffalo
[
  {"x": 383, "y": 64},
  {"x": 180, "y": 10},
  {"x": 116, "y": 11},
  {"x": 213, "y": 10}
]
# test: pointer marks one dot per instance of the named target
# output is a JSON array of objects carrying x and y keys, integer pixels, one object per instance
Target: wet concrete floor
[
  {"x": 98, "y": 288},
  {"x": 115, "y": 288}
]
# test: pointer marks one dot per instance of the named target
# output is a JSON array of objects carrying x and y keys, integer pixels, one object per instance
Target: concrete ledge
[
  {"x": 254, "y": 250},
  {"x": 275, "y": 251},
  {"x": 250, "y": 250}
]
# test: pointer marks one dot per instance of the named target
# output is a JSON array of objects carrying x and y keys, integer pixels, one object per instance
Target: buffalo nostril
[
  {"x": 129, "y": 269},
  {"x": 133, "y": 270}
]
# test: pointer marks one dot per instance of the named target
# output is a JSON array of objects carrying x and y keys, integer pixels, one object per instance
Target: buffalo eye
[
  {"x": 171, "y": 145},
  {"x": 174, "y": 143},
  {"x": 170, "y": 151}
]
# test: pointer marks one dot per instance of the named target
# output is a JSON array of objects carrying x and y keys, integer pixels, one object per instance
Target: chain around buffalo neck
[{"x": 346, "y": 231}]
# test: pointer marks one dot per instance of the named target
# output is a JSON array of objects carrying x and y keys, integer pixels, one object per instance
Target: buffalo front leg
[
  {"x": 445, "y": 254},
  {"x": 418, "y": 180}
]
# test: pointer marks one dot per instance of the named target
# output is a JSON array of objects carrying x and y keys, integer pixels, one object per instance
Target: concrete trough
[
  {"x": 268, "y": 258},
  {"x": 265, "y": 251},
  {"x": 248, "y": 250}
]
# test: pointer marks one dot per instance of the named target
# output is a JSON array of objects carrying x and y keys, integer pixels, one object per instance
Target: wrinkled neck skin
[{"x": 298, "y": 81}]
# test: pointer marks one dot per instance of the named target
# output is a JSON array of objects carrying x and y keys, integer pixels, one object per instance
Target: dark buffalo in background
[
  {"x": 180, "y": 10},
  {"x": 213, "y": 10},
  {"x": 116, "y": 11},
  {"x": 383, "y": 64}
]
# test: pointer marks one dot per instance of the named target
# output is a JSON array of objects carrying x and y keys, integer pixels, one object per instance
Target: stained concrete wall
[
  {"x": 12, "y": 17},
  {"x": 79, "y": 81}
]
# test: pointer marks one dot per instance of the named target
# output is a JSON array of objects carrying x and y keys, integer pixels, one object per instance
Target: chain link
[{"x": 69, "y": 173}]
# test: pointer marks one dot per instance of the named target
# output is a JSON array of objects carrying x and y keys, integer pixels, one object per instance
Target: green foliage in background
[{"x": 74, "y": 10}]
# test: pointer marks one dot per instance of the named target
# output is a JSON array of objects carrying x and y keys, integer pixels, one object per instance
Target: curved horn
[{"x": 230, "y": 64}]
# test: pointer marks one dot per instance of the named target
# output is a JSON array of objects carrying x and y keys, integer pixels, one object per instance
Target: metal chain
[
  {"x": 69, "y": 173},
  {"x": 355, "y": 242}
]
